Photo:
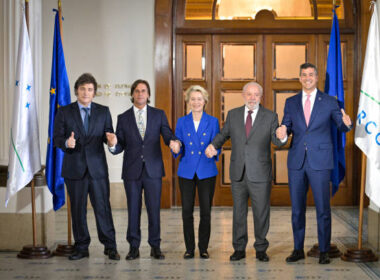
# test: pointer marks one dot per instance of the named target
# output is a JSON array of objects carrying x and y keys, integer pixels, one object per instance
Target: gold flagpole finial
[{"x": 59, "y": 3}]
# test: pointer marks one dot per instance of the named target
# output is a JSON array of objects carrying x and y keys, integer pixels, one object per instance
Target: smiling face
[
  {"x": 308, "y": 79},
  {"x": 196, "y": 102},
  {"x": 85, "y": 93},
  {"x": 252, "y": 97},
  {"x": 140, "y": 95}
]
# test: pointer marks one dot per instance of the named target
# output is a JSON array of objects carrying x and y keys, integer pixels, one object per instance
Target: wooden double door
[{"x": 223, "y": 64}]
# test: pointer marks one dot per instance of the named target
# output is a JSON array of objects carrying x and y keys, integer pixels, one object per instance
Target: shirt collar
[
  {"x": 135, "y": 109},
  {"x": 246, "y": 109},
  {"x": 312, "y": 94},
  {"x": 82, "y": 106}
]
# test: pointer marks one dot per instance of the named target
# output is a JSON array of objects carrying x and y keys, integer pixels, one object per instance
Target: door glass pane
[
  {"x": 194, "y": 62},
  {"x": 238, "y": 62},
  {"x": 230, "y": 100},
  {"x": 280, "y": 167},
  {"x": 343, "y": 47},
  {"x": 279, "y": 99},
  {"x": 287, "y": 60}
]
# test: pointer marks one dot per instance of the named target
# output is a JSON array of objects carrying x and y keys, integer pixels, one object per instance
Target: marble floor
[{"x": 217, "y": 267}]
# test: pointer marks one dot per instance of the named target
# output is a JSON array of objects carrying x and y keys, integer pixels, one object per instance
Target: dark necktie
[
  {"x": 248, "y": 123},
  {"x": 86, "y": 120}
]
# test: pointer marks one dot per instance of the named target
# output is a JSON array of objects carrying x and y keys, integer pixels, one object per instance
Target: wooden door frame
[{"x": 169, "y": 21}]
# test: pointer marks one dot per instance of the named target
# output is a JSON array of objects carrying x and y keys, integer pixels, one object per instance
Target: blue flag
[
  {"x": 334, "y": 87},
  {"x": 59, "y": 96}
]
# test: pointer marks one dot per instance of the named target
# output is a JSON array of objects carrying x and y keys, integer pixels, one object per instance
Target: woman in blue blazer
[{"x": 196, "y": 131}]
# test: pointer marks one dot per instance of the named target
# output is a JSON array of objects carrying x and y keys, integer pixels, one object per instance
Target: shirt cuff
[{"x": 284, "y": 140}]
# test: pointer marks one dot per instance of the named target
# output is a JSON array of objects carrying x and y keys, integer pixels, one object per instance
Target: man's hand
[
  {"x": 71, "y": 141},
  {"x": 281, "y": 132},
  {"x": 111, "y": 139},
  {"x": 175, "y": 146},
  {"x": 346, "y": 118},
  {"x": 211, "y": 151}
]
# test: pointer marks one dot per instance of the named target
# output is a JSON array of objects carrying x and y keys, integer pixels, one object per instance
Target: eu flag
[
  {"x": 334, "y": 87},
  {"x": 59, "y": 96}
]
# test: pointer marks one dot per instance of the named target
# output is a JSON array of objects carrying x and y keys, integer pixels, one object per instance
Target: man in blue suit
[
  {"x": 138, "y": 135},
  {"x": 308, "y": 116},
  {"x": 80, "y": 131}
]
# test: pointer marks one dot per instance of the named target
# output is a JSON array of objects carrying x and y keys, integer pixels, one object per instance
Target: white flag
[
  {"x": 24, "y": 150},
  {"x": 367, "y": 133}
]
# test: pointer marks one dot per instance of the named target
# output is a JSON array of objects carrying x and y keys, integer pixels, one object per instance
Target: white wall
[{"x": 112, "y": 39}]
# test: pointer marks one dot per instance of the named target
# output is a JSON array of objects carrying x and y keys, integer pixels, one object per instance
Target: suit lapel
[
  {"x": 299, "y": 108},
  {"x": 240, "y": 122},
  {"x": 316, "y": 107},
  {"x": 93, "y": 118},
  {"x": 189, "y": 124},
  {"x": 77, "y": 117},
  {"x": 133, "y": 124},
  {"x": 202, "y": 125},
  {"x": 257, "y": 122}
]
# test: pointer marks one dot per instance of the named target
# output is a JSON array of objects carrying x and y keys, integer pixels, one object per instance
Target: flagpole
[
  {"x": 33, "y": 251},
  {"x": 65, "y": 250}
]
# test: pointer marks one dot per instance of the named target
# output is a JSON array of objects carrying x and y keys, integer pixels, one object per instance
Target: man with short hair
[
  {"x": 80, "y": 131},
  {"x": 251, "y": 129},
  {"x": 308, "y": 117},
  {"x": 138, "y": 135}
]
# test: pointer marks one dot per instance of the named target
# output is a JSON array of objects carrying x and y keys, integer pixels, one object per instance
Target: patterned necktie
[
  {"x": 140, "y": 123},
  {"x": 307, "y": 109},
  {"x": 86, "y": 120},
  {"x": 248, "y": 123}
]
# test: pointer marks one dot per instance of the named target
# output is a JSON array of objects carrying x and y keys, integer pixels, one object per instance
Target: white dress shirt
[{"x": 253, "y": 115}]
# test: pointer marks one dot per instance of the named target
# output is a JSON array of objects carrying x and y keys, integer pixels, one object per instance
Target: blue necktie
[{"x": 86, "y": 120}]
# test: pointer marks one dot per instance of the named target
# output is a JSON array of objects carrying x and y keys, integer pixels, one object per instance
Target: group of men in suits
[{"x": 82, "y": 127}]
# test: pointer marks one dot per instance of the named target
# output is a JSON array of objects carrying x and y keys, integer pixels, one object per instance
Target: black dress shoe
[
  {"x": 188, "y": 255},
  {"x": 112, "y": 254},
  {"x": 237, "y": 255},
  {"x": 204, "y": 254},
  {"x": 156, "y": 253},
  {"x": 79, "y": 255},
  {"x": 133, "y": 254},
  {"x": 324, "y": 258},
  {"x": 296, "y": 255},
  {"x": 262, "y": 256}
]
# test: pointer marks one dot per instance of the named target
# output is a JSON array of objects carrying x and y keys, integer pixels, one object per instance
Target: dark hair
[
  {"x": 308, "y": 65},
  {"x": 85, "y": 78},
  {"x": 134, "y": 86}
]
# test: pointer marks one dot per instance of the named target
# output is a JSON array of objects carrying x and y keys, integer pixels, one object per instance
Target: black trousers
[
  {"x": 99, "y": 191},
  {"x": 206, "y": 188}
]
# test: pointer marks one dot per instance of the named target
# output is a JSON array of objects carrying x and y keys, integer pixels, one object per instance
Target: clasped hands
[
  {"x": 175, "y": 146},
  {"x": 211, "y": 151}
]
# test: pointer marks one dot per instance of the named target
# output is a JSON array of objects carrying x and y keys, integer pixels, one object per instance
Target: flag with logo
[
  {"x": 334, "y": 87},
  {"x": 367, "y": 132},
  {"x": 59, "y": 96},
  {"x": 24, "y": 151}
]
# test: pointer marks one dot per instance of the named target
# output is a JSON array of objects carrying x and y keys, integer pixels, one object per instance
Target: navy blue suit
[
  {"x": 143, "y": 169},
  {"x": 310, "y": 160},
  {"x": 196, "y": 170},
  {"x": 85, "y": 171}
]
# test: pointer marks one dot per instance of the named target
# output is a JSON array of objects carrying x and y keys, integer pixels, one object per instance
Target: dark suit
[
  {"x": 310, "y": 160},
  {"x": 85, "y": 170},
  {"x": 143, "y": 169},
  {"x": 250, "y": 172},
  {"x": 196, "y": 170}
]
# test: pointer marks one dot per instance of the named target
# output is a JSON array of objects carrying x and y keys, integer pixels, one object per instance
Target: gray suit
[{"x": 250, "y": 172}]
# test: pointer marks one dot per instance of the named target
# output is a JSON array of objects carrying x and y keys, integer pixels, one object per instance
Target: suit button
[
  {"x": 192, "y": 152},
  {"x": 142, "y": 156},
  {"x": 191, "y": 143},
  {"x": 199, "y": 153},
  {"x": 204, "y": 133},
  {"x": 143, "y": 146},
  {"x": 304, "y": 144},
  {"x": 188, "y": 134},
  {"x": 202, "y": 143}
]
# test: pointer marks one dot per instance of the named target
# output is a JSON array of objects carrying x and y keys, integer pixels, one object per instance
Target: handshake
[
  {"x": 175, "y": 146},
  {"x": 281, "y": 132},
  {"x": 211, "y": 151}
]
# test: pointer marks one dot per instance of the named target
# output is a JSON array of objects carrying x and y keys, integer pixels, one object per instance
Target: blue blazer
[
  {"x": 314, "y": 139},
  {"x": 194, "y": 143},
  {"x": 138, "y": 151}
]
